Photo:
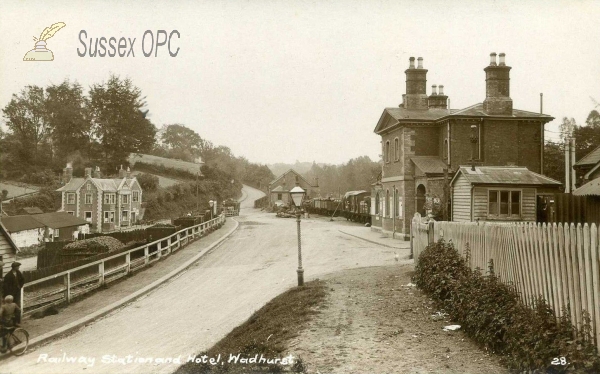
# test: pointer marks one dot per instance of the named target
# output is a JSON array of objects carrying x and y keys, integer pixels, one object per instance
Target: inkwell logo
[{"x": 40, "y": 52}]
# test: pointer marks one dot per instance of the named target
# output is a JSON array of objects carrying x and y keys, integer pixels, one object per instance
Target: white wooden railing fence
[
  {"x": 559, "y": 262},
  {"x": 44, "y": 292}
]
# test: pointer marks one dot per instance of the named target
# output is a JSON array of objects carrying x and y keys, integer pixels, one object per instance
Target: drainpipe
[
  {"x": 472, "y": 204},
  {"x": 394, "y": 212}
]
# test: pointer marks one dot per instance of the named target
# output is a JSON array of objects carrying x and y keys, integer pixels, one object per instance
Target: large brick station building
[{"x": 422, "y": 137}]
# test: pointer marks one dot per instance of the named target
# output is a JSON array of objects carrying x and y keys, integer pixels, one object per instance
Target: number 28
[{"x": 559, "y": 361}]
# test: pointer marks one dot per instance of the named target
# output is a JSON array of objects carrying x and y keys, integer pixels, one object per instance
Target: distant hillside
[{"x": 300, "y": 167}]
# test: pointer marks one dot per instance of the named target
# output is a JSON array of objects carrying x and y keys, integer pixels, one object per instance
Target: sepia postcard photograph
[{"x": 302, "y": 186}]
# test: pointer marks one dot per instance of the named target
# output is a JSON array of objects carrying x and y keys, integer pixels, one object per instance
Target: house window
[
  {"x": 70, "y": 198},
  {"x": 109, "y": 217},
  {"x": 396, "y": 149},
  {"x": 279, "y": 196},
  {"x": 387, "y": 202},
  {"x": 88, "y": 187},
  {"x": 135, "y": 196},
  {"x": 56, "y": 233},
  {"x": 88, "y": 198},
  {"x": 504, "y": 203},
  {"x": 88, "y": 216},
  {"x": 109, "y": 198},
  {"x": 377, "y": 203},
  {"x": 125, "y": 199},
  {"x": 445, "y": 149},
  {"x": 125, "y": 215},
  {"x": 387, "y": 151},
  {"x": 397, "y": 204}
]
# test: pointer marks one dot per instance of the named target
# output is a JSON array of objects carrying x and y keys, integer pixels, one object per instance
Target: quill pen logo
[{"x": 40, "y": 52}]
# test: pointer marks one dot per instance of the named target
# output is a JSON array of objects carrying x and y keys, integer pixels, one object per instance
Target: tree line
[{"x": 50, "y": 126}]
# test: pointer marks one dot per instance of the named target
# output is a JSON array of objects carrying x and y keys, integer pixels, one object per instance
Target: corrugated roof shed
[
  {"x": 21, "y": 223},
  {"x": 591, "y": 188},
  {"x": 57, "y": 220},
  {"x": 508, "y": 175}
]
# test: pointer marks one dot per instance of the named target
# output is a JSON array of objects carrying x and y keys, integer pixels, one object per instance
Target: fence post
[
  {"x": 430, "y": 233},
  {"x": 128, "y": 262},
  {"x": 146, "y": 259},
  {"x": 67, "y": 283},
  {"x": 158, "y": 249},
  {"x": 101, "y": 271}
]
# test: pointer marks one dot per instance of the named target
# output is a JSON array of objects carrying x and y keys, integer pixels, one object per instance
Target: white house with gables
[{"x": 107, "y": 203}]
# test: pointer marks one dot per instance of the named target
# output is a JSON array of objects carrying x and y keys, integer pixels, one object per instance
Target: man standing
[{"x": 13, "y": 282}]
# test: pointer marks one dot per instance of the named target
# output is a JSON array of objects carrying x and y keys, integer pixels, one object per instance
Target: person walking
[{"x": 13, "y": 282}]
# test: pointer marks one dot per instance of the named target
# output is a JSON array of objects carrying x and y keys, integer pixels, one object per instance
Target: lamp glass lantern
[{"x": 297, "y": 194}]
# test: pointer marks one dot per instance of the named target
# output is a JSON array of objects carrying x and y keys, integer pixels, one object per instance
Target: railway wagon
[
  {"x": 326, "y": 206},
  {"x": 356, "y": 206}
]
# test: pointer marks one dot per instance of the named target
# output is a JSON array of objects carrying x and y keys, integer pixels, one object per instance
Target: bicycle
[{"x": 17, "y": 339}]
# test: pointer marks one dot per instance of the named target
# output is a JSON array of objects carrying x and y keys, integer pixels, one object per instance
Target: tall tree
[
  {"x": 118, "y": 122},
  {"x": 182, "y": 142},
  {"x": 66, "y": 108},
  {"x": 27, "y": 120}
]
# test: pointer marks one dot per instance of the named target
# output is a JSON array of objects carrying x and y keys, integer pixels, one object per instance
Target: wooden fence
[
  {"x": 559, "y": 262},
  {"x": 64, "y": 286}
]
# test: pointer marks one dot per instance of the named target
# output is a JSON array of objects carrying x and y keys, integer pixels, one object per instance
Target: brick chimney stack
[
  {"x": 97, "y": 172},
  {"x": 416, "y": 86},
  {"x": 122, "y": 173},
  {"x": 88, "y": 172},
  {"x": 68, "y": 173},
  {"x": 438, "y": 99},
  {"x": 497, "y": 87}
]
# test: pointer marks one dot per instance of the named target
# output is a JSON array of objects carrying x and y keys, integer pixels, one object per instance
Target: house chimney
[
  {"x": 68, "y": 173},
  {"x": 121, "y": 172},
  {"x": 438, "y": 99},
  {"x": 497, "y": 87},
  {"x": 88, "y": 172},
  {"x": 416, "y": 86},
  {"x": 128, "y": 174},
  {"x": 434, "y": 90},
  {"x": 97, "y": 172}
]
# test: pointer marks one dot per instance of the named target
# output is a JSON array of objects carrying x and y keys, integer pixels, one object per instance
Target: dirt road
[{"x": 198, "y": 308}]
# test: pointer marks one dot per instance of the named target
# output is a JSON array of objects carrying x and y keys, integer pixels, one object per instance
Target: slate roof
[
  {"x": 54, "y": 220},
  {"x": 6, "y": 235},
  {"x": 505, "y": 175},
  {"x": 429, "y": 164},
  {"x": 105, "y": 184},
  {"x": 292, "y": 171},
  {"x": 434, "y": 114},
  {"x": 591, "y": 158},
  {"x": 591, "y": 188},
  {"x": 477, "y": 111}
]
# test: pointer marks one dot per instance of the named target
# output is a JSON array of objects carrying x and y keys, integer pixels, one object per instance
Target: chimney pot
[
  {"x": 434, "y": 90},
  {"x": 502, "y": 59},
  {"x": 412, "y": 63},
  {"x": 493, "y": 59},
  {"x": 420, "y": 60},
  {"x": 441, "y": 89}
]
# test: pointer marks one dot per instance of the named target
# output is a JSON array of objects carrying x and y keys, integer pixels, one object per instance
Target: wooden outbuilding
[{"x": 498, "y": 193}]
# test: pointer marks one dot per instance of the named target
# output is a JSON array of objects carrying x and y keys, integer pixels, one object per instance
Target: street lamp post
[
  {"x": 211, "y": 203},
  {"x": 297, "y": 193}
]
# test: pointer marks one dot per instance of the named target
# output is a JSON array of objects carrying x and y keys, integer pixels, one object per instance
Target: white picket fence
[
  {"x": 559, "y": 262},
  {"x": 64, "y": 286}
]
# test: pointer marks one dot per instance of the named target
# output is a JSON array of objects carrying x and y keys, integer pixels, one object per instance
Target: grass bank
[{"x": 265, "y": 335}]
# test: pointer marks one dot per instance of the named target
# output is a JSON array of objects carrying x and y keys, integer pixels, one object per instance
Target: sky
[{"x": 280, "y": 81}]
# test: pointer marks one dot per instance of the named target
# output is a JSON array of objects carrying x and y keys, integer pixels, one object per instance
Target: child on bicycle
[{"x": 9, "y": 317}]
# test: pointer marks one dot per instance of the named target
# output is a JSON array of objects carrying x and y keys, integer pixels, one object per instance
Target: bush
[
  {"x": 100, "y": 244},
  {"x": 148, "y": 182},
  {"x": 492, "y": 314}
]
